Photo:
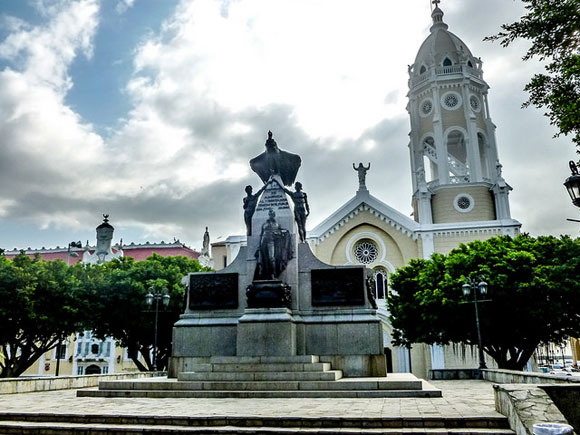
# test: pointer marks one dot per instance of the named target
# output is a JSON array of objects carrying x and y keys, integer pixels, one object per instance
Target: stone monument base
[{"x": 266, "y": 332}]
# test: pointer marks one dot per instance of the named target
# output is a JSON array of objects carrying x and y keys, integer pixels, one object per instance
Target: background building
[{"x": 83, "y": 353}]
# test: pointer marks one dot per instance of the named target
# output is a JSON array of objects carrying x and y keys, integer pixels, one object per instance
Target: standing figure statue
[
  {"x": 205, "y": 246},
  {"x": 274, "y": 250},
  {"x": 301, "y": 208},
  {"x": 362, "y": 174},
  {"x": 250, "y": 203},
  {"x": 274, "y": 161}
]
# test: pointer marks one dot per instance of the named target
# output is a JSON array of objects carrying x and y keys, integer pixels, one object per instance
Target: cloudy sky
[{"x": 149, "y": 111}]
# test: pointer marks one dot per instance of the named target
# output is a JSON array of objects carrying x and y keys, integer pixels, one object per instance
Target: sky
[{"x": 150, "y": 110}]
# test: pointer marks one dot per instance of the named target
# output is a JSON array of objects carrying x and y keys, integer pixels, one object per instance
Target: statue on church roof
[
  {"x": 362, "y": 174},
  {"x": 274, "y": 161}
]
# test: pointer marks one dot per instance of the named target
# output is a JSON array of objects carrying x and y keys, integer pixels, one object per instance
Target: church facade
[{"x": 459, "y": 193}]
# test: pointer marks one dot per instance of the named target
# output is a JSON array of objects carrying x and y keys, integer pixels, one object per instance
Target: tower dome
[{"x": 441, "y": 48}]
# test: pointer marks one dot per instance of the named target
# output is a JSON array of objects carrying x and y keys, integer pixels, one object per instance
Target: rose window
[
  {"x": 451, "y": 100},
  {"x": 474, "y": 103},
  {"x": 366, "y": 252},
  {"x": 463, "y": 203},
  {"x": 427, "y": 106}
]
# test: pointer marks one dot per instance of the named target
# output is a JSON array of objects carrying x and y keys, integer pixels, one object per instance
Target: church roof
[{"x": 364, "y": 201}]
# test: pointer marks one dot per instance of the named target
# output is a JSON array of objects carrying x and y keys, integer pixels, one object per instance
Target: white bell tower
[{"x": 456, "y": 172}]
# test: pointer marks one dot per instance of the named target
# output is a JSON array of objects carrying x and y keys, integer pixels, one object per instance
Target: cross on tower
[{"x": 436, "y": 2}]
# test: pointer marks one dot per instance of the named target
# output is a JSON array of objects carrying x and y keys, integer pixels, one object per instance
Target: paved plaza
[{"x": 465, "y": 398}]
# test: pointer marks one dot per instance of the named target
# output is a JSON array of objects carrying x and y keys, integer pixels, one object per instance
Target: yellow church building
[{"x": 459, "y": 193}]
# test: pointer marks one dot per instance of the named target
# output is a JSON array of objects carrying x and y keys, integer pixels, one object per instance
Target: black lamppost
[
  {"x": 572, "y": 184},
  {"x": 472, "y": 286},
  {"x": 156, "y": 295}
]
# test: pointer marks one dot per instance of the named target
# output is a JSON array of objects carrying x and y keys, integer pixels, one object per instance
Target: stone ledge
[
  {"x": 50, "y": 383},
  {"x": 518, "y": 377},
  {"x": 526, "y": 405}
]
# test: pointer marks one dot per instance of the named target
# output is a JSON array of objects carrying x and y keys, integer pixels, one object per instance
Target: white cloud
[
  {"x": 329, "y": 78},
  {"x": 123, "y": 6}
]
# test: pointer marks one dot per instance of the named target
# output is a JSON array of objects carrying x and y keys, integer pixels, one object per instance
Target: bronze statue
[
  {"x": 250, "y": 203},
  {"x": 274, "y": 250},
  {"x": 301, "y": 208},
  {"x": 274, "y": 161},
  {"x": 362, "y": 174}
]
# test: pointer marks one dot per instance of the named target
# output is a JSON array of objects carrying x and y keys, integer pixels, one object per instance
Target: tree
[
  {"x": 119, "y": 309},
  {"x": 533, "y": 287},
  {"x": 41, "y": 303},
  {"x": 553, "y": 26}
]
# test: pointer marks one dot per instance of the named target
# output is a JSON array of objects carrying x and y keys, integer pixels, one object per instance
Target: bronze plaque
[
  {"x": 341, "y": 286},
  {"x": 217, "y": 291}
]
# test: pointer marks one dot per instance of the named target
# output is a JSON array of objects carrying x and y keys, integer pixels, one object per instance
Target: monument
[{"x": 277, "y": 299}]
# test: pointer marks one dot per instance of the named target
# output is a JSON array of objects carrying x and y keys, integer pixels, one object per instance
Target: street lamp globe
[
  {"x": 466, "y": 288},
  {"x": 149, "y": 299},
  {"x": 165, "y": 298},
  {"x": 482, "y": 287},
  {"x": 572, "y": 184}
]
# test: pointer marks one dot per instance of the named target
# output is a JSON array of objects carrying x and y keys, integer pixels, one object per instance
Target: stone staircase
[
  {"x": 64, "y": 424},
  {"x": 302, "y": 376}
]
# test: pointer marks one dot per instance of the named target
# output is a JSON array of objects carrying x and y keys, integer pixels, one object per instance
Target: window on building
[
  {"x": 423, "y": 69},
  {"x": 447, "y": 62},
  {"x": 105, "y": 370},
  {"x": 95, "y": 348},
  {"x": 381, "y": 284},
  {"x": 60, "y": 351},
  {"x": 80, "y": 370}
]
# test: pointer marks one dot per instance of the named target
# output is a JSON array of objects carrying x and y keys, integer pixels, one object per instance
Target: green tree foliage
[
  {"x": 119, "y": 309},
  {"x": 533, "y": 287},
  {"x": 41, "y": 303},
  {"x": 553, "y": 27}
]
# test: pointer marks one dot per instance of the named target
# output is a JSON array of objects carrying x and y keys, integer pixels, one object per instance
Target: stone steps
[
  {"x": 329, "y": 375},
  {"x": 279, "y": 394},
  {"x": 23, "y": 423},
  {"x": 342, "y": 384},
  {"x": 260, "y": 367},
  {"x": 265, "y": 377}
]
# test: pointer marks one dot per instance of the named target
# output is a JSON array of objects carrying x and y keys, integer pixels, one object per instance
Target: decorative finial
[
  {"x": 105, "y": 218},
  {"x": 269, "y": 134},
  {"x": 437, "y": 15}
]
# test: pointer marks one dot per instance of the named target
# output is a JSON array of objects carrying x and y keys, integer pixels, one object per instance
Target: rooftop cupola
[{"x": 437, "y": 16}]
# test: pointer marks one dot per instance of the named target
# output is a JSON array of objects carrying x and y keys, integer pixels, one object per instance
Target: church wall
[
  {"x": 454, "y": 118},
  {"x": 445, "y": 243},
  {"x": 329, "y": 252},
  {"x": 444, "y": 210},
  {"x": 426, "y": 125},
  {"x": 460, "y": 356},
  {"x": 392, "y": 252}
]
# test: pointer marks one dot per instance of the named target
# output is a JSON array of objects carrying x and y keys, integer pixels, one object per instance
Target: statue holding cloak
[{"x": 274, "y": 161}]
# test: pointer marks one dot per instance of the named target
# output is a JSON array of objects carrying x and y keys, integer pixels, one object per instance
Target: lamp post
[
  {"x": 70, "y": 254},
  {"x": 156, "y": 295},
  {"x": 472, "y": 286},
  {"x": 572, "y": 184}
]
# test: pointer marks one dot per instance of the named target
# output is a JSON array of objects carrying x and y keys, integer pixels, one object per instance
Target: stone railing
[
  {"x": 517, "y": 377},
  {"x": 48, "y": 383},
  {"x": 528, "y": 398}
]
